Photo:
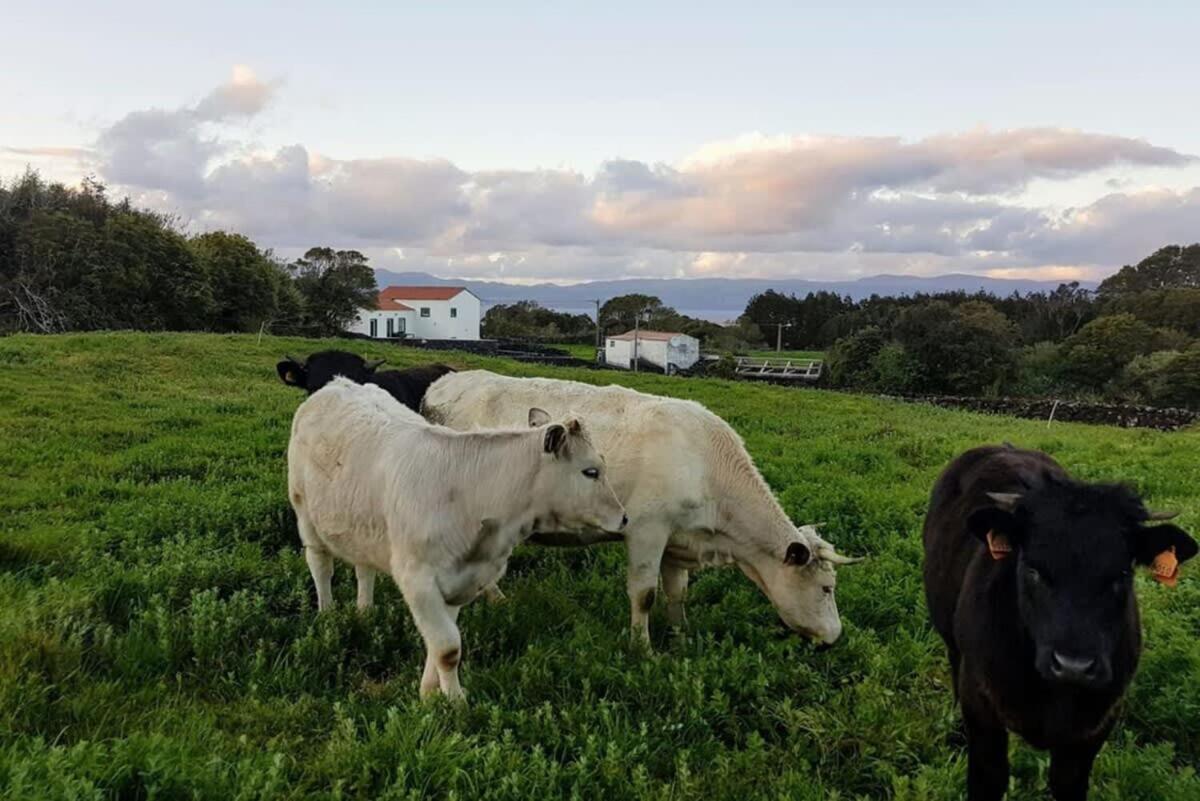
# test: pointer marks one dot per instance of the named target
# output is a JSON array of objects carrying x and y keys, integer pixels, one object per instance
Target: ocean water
[{"x": 712, "y": 315}]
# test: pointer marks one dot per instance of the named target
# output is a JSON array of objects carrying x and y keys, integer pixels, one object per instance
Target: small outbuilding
[{"x": 669, "y": 352}]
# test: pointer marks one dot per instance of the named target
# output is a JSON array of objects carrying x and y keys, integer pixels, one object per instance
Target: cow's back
[
  {"x": 655, "y": 448},
  {"x": 342, "y": 455}
]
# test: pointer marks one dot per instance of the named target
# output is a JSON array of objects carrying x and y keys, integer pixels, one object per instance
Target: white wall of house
[
  {"x": 401, "y": 323},
  {"x": 456, "y": 318},
  {"x": 681, "y": 350}
]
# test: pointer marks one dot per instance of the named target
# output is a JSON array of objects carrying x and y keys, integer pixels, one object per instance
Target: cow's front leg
[
  {"x": 366, "y": 585},
  {"x": 646, "y": 546},
  {"x": 987, "y": 758},
  {"x": 1071, "y": 767},
  {"x": 675, "y": 583},
  {"x": 437, "y": 623}
]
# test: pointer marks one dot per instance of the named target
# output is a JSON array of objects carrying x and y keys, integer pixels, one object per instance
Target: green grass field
[
  {"x": 159, "y": 640},
  {"x": 787, "y": 354}
]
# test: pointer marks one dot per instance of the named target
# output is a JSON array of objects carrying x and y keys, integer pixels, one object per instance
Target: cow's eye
[
  {"x": 827, "y": 590},
  {"x": 592, "y": 472}
]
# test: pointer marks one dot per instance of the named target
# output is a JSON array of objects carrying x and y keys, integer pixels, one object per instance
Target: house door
[
  {"x": 389, "y": 327},
  {"x": 374, "y": 329}
]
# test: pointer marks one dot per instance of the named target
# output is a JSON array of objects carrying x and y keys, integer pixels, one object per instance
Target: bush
[
  {"x": 1037, "y": 371},
  {"x": 850, "y": 362},
  {"x": 895, "y": 370},
  {"x": 1142, "y": 380},
  {"x": 965, "y": 349},
  {"x": 1095, "y": 355},
  {"x": 1178, "y": 381}
]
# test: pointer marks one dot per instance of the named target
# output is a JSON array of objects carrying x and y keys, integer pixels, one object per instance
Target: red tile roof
[
  {"x": 664, "y": 336},
  {"x": 384, "y": 303},
  {"x": 403, "y": 293}
]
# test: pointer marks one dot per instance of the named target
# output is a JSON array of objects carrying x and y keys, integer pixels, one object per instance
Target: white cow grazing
[
  {"x": 692, "y": 493},
  {"x": 374, "y": 484}
]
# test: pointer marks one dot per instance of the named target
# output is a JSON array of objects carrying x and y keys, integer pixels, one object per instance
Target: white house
[
  {"x": 421, "y": 312},
  {"x": 668, "y": 351}
]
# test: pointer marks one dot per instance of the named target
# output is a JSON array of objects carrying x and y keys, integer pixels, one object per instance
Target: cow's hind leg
[
  {"x": 646, "y": 546},
  {"x": 366, "y": 585},
  {"x": 320, "y": 561},
  {"x": 675, "y": 583},
  {"x": 437, "y": 623}
]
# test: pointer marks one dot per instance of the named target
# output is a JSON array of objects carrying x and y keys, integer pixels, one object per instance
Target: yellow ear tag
[
  {"x": 1165, "y": 568},
  {"x": 998, "y": 546}
]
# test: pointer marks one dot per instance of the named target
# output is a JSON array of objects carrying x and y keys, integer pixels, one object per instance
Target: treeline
[
  {"x": 1136, "y": 339},
  {"x": 72, "y": 259},
  {"x": 527, "y": 319}
]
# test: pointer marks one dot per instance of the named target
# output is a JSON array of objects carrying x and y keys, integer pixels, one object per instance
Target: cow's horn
[
  {"x": 1155, "y": 515},
  {"x": 374, "y": 364},
  {"x": 828, "y": 554}
]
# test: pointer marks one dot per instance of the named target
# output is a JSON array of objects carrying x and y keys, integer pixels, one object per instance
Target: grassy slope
[{"x": 158, "y": 635}]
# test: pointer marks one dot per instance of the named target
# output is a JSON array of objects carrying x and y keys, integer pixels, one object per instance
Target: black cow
[
  {"x": 407, "y": 386},
  {"x": 1028, "y": 577}
]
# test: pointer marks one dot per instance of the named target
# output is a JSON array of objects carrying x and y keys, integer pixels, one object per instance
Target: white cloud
[{"x": 755, "y": 205}]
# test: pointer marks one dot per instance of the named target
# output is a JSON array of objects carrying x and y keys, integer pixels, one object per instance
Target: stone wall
[{"x": 1110, "y": 414}]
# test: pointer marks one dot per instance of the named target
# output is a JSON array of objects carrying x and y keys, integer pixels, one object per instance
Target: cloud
[
  {"x": 811, "y": 206},
  {"x": 244, "y": 95}
]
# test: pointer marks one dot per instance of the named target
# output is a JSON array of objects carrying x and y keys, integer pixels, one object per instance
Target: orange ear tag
[
  {"x": 1165, "y": 568},
  {"x": 998, "y": 546}
]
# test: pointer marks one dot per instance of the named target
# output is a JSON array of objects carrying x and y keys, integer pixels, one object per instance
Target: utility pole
[
  {"x": 636, "y": 319},
  {"x": 598, "y": 342},
  {"x": 779, "y": 335}
]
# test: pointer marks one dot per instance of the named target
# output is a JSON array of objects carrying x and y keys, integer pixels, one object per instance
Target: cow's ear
[
  {"x": 995, "y": 522},
  {"x": 292, "y": 373},
  {"x": 556, "y": 439},
  {"x": 1155, "y": 540},
  {"x": 574, "y": 427},
  {"x": 538, "y": 417},
  {"x": 797, "y": 554}
]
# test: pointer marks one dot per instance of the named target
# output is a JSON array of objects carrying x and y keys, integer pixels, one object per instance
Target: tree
[
  {"x": 1097, "y": 353},
  {"x": 850, "y": 360},
  {"x": 619, "y": 312},
  {"x": 335, "y": 285},
  {"x": 1172, "y": 267},
  {"x": 244, "y": 281},
  {"x": 968, "y": 349},
  {"x": 529, "y": 319}
]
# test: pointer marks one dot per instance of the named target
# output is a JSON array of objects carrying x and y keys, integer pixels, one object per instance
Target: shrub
[
  {"x": 1096, "y": 353},
  {"x": 1142, "y": 380},
  {"x": 850, "y": 359},
  {"x": 895, "y": 369},
  {"x": 1037, "y": 370}
]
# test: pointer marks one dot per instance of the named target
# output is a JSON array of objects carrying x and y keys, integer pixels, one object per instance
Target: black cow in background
[
  {"x": 407, "y": 386},
  {"x": 1029, "y": 580}
]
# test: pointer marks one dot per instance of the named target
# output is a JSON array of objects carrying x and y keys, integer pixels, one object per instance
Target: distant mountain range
[{"x": 717, "y": 299}]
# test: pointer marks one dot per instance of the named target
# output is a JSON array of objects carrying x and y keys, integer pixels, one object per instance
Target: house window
[
  {"x": 612, "y": 343},
  {"x": 424, "y": 311},
  {"x": 389, "y": 327},
  {"x": 453, "y": 312},
  {"x": 374, "y": 328}
]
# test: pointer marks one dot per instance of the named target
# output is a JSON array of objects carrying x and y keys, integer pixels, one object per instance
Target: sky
[{"x": 569, "y": 141}]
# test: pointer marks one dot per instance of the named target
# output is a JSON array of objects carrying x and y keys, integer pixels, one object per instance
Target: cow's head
[
  {"x": 801, "y": 583},
  {"x": 1074, "y": 547},
  {"x": 321, "y": 368},
  {"x": 572, "y": 485}
]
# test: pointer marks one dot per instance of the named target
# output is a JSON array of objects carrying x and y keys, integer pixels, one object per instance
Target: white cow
[
  {"x": 374, "y": 484},
  {"x": 692, "y": 493}
]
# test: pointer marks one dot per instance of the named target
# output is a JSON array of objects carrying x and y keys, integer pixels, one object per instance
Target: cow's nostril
[
  {"x": 1069, "y": 666},
  {"x": 624, "y": 521}
]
